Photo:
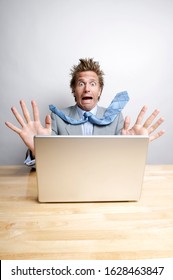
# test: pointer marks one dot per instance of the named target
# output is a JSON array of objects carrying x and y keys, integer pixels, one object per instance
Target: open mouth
[{"x": 87, "y": 98}]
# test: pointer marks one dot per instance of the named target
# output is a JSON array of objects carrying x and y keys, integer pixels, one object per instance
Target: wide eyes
[
  {"x": 82, "y": 84},
  {"x": 93, "y": 84}
]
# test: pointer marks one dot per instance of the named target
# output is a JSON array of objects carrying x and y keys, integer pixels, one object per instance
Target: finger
[
  {"x": 35, "y": 111},
  {"x": 13, "y": 127},
  {"x": 151, "y": 118},
  {"x": 48, "y": 122},
  {"x": 157, "y": 135},
  {"x": 156, "y": 125},
  {"x": 18, "y": 116},
  {"x": 25, "y": 111},
  {"x": 141, "y": 115}
]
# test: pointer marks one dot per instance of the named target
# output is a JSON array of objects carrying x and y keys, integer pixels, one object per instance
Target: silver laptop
[{"x": 90, "y": 168}]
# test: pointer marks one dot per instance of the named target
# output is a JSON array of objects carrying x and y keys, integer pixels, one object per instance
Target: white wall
[{"x": 42, "y": 39}]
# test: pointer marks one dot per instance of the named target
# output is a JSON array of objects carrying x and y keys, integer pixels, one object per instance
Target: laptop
[{"x": 90, "y": 168}]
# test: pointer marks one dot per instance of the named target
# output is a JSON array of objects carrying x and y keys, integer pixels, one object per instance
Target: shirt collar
[{"x": 81, "y": 112}]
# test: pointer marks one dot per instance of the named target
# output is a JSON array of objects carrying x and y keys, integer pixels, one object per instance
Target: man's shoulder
[
  {"x": 101, "y": 109},
  {"x": 69, "y": 109}
]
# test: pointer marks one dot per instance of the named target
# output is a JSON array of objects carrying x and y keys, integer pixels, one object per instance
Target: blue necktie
[{"x": 117, "y": 104}]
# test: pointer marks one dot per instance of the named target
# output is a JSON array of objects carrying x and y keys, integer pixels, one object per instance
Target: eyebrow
[{"x": 83, "y": 80}]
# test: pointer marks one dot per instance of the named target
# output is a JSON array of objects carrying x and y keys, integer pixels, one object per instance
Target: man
[{"x": 87, "y": 85}]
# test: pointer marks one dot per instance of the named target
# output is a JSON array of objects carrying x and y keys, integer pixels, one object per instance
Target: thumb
[
  {"x": 48, "y": 122},
  {"x": 126, "y": 123}
]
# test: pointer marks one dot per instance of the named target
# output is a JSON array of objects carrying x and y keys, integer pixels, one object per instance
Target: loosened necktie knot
[
  {"x": 117, "y": 104},
  {"x": 87, "y": 115}
]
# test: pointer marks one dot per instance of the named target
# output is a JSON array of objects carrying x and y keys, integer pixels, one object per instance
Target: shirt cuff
[{"x": 29, "y": 161}]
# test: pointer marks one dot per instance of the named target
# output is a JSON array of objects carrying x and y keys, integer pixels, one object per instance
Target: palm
[
  {"x": 30, "y": 128},
  {"x": 135, "y": 130},
  {"x": 33, "y": 128},
  {"x": 144, "y": 129}
]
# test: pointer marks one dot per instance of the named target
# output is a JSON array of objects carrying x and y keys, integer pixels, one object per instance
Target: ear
[
  {"x": 73, "y": 92},
  {"x": 99, "y": 94},
  {"x": 74, "y": 95}
]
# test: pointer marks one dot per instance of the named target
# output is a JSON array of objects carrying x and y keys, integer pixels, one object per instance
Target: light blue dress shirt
[{"x": 87, "y": 128}]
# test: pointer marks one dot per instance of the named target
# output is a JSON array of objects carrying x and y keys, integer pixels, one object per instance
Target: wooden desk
[{"x": 131, "y": 230}]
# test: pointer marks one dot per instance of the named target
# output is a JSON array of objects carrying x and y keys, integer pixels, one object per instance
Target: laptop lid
[{"x": 90, "y": 168}]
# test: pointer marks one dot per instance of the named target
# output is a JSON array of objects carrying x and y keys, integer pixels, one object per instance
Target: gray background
[{"x": 42, "y": 39}]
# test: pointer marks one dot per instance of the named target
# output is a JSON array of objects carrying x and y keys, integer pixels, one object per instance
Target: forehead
[{"x": 87, "y": 76}]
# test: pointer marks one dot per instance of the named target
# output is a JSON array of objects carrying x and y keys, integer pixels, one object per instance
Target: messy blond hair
[{"x": 87, "y": 64}]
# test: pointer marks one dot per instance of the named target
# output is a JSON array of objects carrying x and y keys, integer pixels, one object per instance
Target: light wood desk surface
[{"x": 126, "y": 230}]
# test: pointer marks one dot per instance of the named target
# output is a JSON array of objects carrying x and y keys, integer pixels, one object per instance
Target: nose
[{"x": 87, "y": 87}]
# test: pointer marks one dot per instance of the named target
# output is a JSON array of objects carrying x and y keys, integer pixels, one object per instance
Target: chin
[{"x": 87, "y": 108}]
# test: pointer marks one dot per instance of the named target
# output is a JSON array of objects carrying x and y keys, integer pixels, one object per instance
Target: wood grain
[{"x": 122, "y": 230}]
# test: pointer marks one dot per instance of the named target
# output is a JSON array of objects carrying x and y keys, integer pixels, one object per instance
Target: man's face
[{"x": 87, "y": 90}]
